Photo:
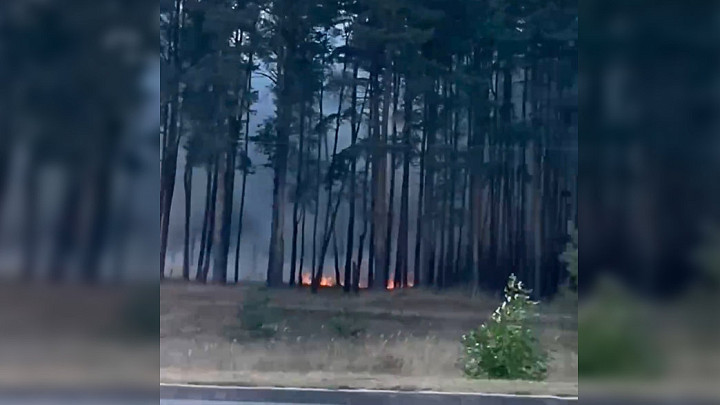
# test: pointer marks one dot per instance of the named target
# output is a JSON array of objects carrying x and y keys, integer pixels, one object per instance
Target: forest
[{"x": 412, "y": 143}]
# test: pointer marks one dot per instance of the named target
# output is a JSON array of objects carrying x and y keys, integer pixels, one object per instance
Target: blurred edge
[
  {"x": 79, "y": 201},
  {"x": 649, "y": 200}
]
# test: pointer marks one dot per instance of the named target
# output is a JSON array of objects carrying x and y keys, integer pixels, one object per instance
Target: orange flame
[
  {"x": 330, "y": 282},
  {"x": 391, "y": 284},
  {"x": 324, "y": 281}
]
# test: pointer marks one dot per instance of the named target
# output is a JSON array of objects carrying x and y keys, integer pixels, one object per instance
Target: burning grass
[{"x": 327, "y": 281}]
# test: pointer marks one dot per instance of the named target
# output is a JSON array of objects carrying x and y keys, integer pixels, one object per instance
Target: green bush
[{"x": 505, "y": 347}]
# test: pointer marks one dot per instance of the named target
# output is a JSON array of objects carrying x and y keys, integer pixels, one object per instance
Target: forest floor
[{"x": 403, "y": 339}]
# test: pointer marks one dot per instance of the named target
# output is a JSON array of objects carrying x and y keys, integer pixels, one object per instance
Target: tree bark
[
  {"x": 391, "y": 198},
  {"x": 379, "y": 175},
  {"x": 326, "y": 242},
  {"x": 220, "y": 255},
  {"x": 401, "y": 259},
  {"x": 420, "y": 219},
  {"x": 336, "y": 256},
  {"x": 223, "y": 218},
  {"x": 302, "y": 249},
  {"x": 298, "y": 194},
  {"x": 428, "y": 264},
  {"x": 276, "y": 254},
  {"x": 353, "y": 192},
  {"x": 187, "y": 184},
  {"x": 211, "y": 220},
  {"x": 363, "y": 234},
  {"x": 317, "y": 188},
  {"x": 167, "y": 180},
  {"x": 171, "y": 141},
  {"x": 246, "y": 151},
  {"x": 206, "y": 222},
  {"x": 328, "y": 226},
  {"x": 30, "y": 227}
]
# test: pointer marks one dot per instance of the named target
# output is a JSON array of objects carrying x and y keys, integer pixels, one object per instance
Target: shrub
[{"x": 505, "y": 347}]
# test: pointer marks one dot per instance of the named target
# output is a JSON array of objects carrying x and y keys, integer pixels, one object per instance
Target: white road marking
[
  {"x": 475, "y": 394},
  {"x": 211, "y": 402}
]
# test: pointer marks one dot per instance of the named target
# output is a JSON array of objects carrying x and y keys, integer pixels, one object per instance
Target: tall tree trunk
[
  {"x": 171, "y": 141},
  {"x": 211, "y": 219},
  {"x": 391, "y": 200},
  {"x": 459, "y": 269},
  {"x": 30, "y": 228},
  {"x": 428, "y": 264},
  {"x": 220, "y": 255},
  {"x": 452, "y": 120},
  {"x": 298, "y": 193},
  {"x": 303, "y": 245},
  {"x": 479, "y": 151},
  {"x": 328, "y": 226},
  {"x": 326, "y": 241},
  {"x": 401, "y": 258},
  {"x": 420, "y": 219},
  {"x": 276, "y": 256},
  {"x": 363, "y": 234},
  {"x": 206, "y": 223},
  {"x": 379, "y": 174},
  {"x": 535, "y": 222},
  {"x": 444, "y": 203},
  {"x": 167, "y": 180},
  {"x": 226, "y": 183},
  {"x": 318, "y": 183},
  {"x": 302, "y": 249},
  {"x": 246, "y": 154},
  {"x": 336, "y": 255},
  {"x": 353, "y": 180},
  {"x": 187, "y": 184}
]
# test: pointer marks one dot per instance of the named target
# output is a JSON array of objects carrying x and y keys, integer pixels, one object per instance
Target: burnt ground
[{"x": 409, "y": 339}]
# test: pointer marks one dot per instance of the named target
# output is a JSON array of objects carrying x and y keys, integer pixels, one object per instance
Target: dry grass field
[{"x": 409, "y": 339}]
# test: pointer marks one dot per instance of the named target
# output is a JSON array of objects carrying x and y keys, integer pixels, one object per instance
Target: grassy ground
[{"x": 408, "y": 339}]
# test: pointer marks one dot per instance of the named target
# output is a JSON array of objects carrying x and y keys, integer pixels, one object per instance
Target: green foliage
[
  {"x": 505, "y": 346},
  {"x": 570, "y": 258},
  {"x": 346, "y": 326}
]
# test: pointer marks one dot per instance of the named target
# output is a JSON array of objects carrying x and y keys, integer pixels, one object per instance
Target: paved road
[
  {"x": 198, "y": 395},
  {"x": 205, "y": 402}
]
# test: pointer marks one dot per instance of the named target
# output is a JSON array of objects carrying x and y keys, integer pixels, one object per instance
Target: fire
[
  {"x": 391, "y": 284},
  {"x": 324, "y": 281},
  {"x": 330, "y": 282}
]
